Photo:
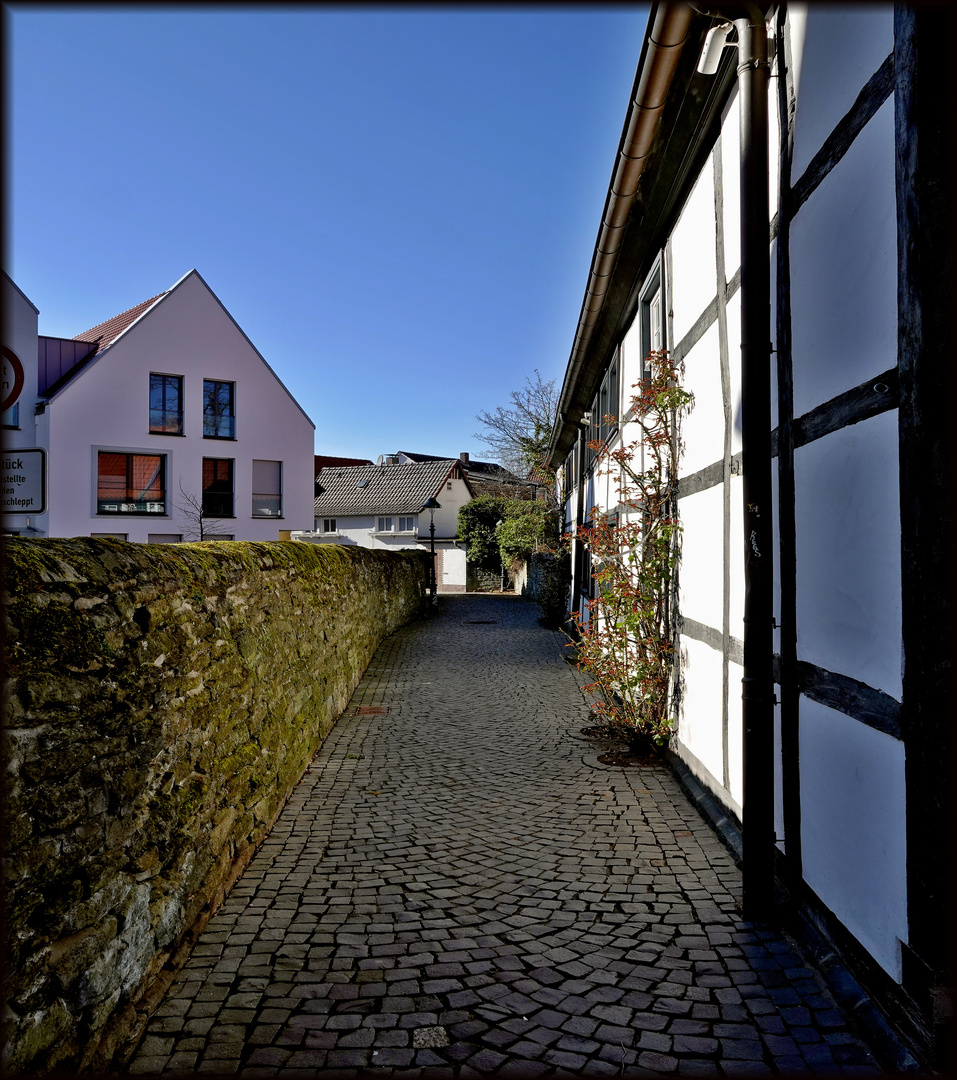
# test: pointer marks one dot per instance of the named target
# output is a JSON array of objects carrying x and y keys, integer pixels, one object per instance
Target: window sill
[
  {"x": 174, "y": 434},
  {"x": 221, "y": 438},
  {"x": 267, "y": 517}
]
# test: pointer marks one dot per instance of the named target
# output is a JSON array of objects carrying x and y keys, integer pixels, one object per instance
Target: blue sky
[{"x": 397, "y": 205}]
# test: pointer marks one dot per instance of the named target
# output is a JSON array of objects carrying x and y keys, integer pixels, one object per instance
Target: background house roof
[
  {"x": 326, "y": 461},
  {"x": 382, "y": 489},
  {"x": 105, "y": 333},
  {"x": 488, "y": 471}
]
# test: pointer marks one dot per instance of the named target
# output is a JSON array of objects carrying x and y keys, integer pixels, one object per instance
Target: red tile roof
[
  {"x": 324, "y": 461},
  {"x": 105, "y": 333}
]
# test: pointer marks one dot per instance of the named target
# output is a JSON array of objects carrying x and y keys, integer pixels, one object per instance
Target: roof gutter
[{"x": 665, "y": 40}]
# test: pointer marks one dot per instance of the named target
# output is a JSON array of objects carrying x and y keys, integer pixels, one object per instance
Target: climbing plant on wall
[{"x": 627, "y": 631}]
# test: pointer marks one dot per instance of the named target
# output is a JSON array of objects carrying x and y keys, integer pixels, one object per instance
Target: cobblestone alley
[{"x": 457, "y": 886}]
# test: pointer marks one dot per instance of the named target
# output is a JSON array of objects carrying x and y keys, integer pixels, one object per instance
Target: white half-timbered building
[{"x": 812, "y": 692}]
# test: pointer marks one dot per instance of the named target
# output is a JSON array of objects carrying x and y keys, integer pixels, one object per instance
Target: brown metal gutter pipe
[
  {"x": 665, "y": 41},
  {"x": 758, "y": 681},
  {"x": 757, "y": 684}
]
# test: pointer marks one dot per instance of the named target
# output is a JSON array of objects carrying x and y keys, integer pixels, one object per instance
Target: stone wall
[
  {"x": 546, "y": 578},
  {"x": 162, "y": 703}
]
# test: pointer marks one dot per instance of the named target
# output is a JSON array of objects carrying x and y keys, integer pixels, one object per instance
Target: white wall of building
[
  {"x": 843, "y": 309},
  {"x": 853, "y": 815},
  {"x": 835, "y": 49},
  {"x": 848, "y": 553},
  {"x": 844, "y": 271},
  {"x": 106, "y": 407}
]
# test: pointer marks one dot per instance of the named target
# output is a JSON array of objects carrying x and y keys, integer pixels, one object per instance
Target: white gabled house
[
  {"x": 163, "y": 406},
  {"x": 813, "y": 691},
  {"x": 380, "y": 506}
]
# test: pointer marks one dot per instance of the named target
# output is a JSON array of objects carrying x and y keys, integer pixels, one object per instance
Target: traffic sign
[{"x": 12, "y": 379}]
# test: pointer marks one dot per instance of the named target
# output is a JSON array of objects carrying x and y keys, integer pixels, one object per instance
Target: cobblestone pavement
[{"x": 457, "y": 887}]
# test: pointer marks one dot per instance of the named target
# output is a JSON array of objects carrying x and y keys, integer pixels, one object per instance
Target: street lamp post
[{"x": 432, "y": 505}]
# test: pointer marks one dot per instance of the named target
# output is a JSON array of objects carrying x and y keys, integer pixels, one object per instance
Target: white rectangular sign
[{"x": 24, "y": 486}]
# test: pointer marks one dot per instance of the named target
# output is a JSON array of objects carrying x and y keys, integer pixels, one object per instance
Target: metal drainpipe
[
  {"x": 758, "y": 682},
  {"x": 757, "y": 690}
]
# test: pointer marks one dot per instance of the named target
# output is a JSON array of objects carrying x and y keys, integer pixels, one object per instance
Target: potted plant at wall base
[{"x": 627, "y": 632}]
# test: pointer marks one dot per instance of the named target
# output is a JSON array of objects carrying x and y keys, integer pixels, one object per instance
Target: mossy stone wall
[
  {"x": 547, "y": 580},
  {"x": 161, "y": 704}
]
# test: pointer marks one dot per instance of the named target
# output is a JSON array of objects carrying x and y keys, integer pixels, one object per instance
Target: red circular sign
[{"x": 12, "y": 378}]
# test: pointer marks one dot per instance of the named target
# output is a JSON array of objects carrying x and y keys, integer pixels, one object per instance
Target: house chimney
[{"x": 464, "y": 458}]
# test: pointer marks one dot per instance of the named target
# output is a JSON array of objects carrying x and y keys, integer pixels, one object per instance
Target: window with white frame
[
  {"x": 329, "y": 525},
  {"x": 385, "y": 525},
  {"x": 605, "y": 409},
  {"x": 408, "y": 524},
  {"x": 651, "y": 314},
  {"x": 267, "y": 488}
]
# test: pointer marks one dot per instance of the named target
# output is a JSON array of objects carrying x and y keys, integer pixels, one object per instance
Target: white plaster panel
[
  {"x": 775, "y": 556},
  {"x": 733, "y": 310},
  {"x": 736, "y": 560},
  {"x": 631, "y": 361},
  {"x": 844, "y": 271},
  {"x": 692, "y": 255},
  {"x": 702, "y": 429},
  {"x": 730, "y": 143},
  {"x": 835, "y": 49},
  {"x": 699, "y": 724},
  {"x": 773, "y": 358},
  {"x": 774, "y": 138},
  {"x": 778, "y": 782},
  {"x": 701, "y": 572},
  {"x": 848, "y": 537},
  {"x": 853, "y": 827},
  {"x": 735, "y": 734}
]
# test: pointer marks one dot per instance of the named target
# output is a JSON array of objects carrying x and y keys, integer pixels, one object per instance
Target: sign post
[{"x": 23, "y": 487}]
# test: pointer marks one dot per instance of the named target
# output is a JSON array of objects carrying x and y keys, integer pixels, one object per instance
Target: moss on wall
[{"x": 161, "y": 704}]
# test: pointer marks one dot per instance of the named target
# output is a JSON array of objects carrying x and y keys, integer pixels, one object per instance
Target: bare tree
[
  {"x": 520, "y": 435},
  {"x": 200, "y": 524}
]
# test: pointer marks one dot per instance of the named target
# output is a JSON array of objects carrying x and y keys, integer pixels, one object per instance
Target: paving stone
[{"x": 543, "y": 913}]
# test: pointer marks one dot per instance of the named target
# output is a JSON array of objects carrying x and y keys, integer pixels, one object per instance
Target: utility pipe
[{"x": 757, "y": 685}]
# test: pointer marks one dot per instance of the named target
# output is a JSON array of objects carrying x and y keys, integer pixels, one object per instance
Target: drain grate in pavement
[{"x": 372, "y": 710}]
